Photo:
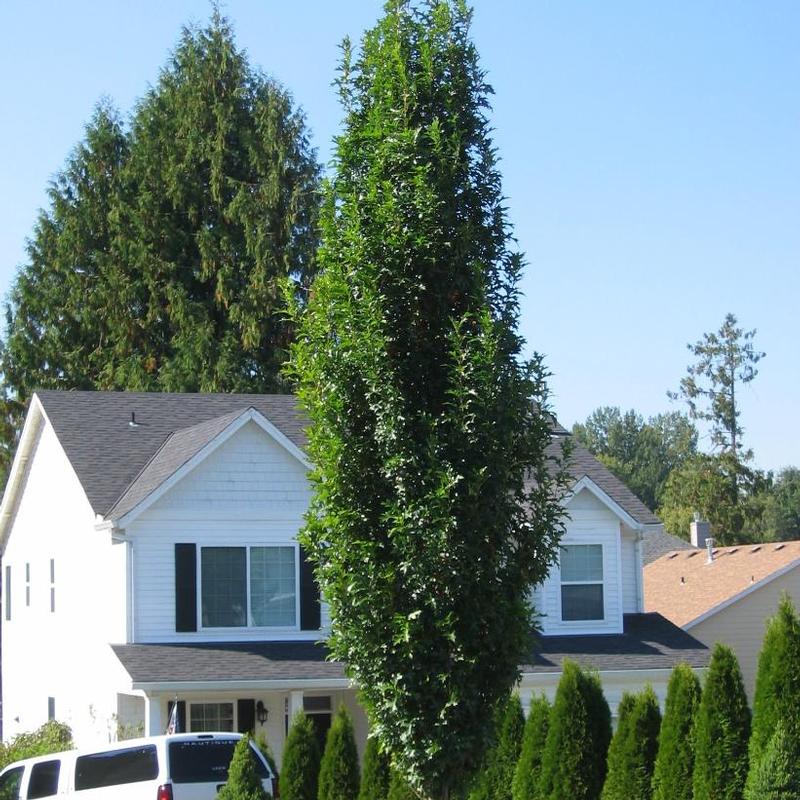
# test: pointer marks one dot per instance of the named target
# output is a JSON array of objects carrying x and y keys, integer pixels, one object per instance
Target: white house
[{"x": 149, "y": 555}]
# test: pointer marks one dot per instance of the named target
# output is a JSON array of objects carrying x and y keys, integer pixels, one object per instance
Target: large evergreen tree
[
  {"x": 674, "y": 768},
  {"x": 722, "y": 730},
  {"x": 338, "y": 774},
  {"x": 435, "y": 506},
  {"x": 301, "y": 761},
  {"x": 494, "y": 779},
  {"x": 376, "y": 773},
  {"x": 529, "y": 766},
  {"x": 775, "y": 775}
]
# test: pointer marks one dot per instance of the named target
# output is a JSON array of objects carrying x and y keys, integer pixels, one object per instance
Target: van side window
[
  {"x": 44, "y": 779},
  {"x": 206, "y": 761},
  {"x": 115, "y": 767},
  {"x": 9, "y": 784}
]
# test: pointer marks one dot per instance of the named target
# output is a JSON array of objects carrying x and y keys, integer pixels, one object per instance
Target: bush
[
  {"x": 672, "y": 777},
  {"x": 574, "y": 760},
  {"x": 338, "y": 774},
  {"x": 263, "y": 745},
  {"x": 776, "y": 774},
  {"x": 633, "y": 749},
  {"x": 399, "y": 788},
  {"x": 52, "y": 737},
  {"x": 243, "y": 781},
  {"x": 529, "y": 767},
  {"x": 375, "y": 777},
  {"x": 493, "y": 780},
  {"x": 722, "y": 731},
  {"x": 300, "y": 768}
]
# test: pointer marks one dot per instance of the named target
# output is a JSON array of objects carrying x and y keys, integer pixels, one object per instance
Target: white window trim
[
  {"x": 247, "y": 546},
  {"x": 581, "y": 623},
  {"x": 211, "y": 702}
]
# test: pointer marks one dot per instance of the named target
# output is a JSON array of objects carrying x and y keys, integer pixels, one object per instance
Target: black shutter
[
  {"x": 181, "y": 715},
  {"x": 309, "y": 596},
  {"x": 246, "y": 714},
  {"x": 185, "y": 587}
]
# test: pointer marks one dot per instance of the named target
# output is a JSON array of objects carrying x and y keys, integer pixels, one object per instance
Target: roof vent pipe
[
  {"x": 710, "y": 550},
  {"x": 133, "y": 423}
]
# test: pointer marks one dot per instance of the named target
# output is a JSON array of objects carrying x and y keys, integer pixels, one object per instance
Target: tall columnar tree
[
  {"x": 527, "y": 774},
  {"x": 617, "y": 748},
  {"x": 497, "y": 774},
  {"x": 435, "y": 506},
  {"x": 674, "y": 768},
  {"x": 574, "y": 759},
  {"x": 722, "y": 730},
  {"x": 339, "y": 775},
  {"x": 632, "y": 754},
  {"x": 243, "y": 782},
  {"x": 376, "y": 773},
  {"x": 301, "y": 761},
  {"x": 775, "y": 775}
]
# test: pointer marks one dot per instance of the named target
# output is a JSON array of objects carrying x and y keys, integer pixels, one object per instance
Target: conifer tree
[
  {"x": 529, "y": 766},
  {"x": 494, "y": 779},
  {"x": 243, "y": 782},
  {"x": 632, "y": 753},
  {"x": 376, "y": 774},
  {"x": 776, "y": 773},
  {"x": 574, "y": 760},
  {"x": 672, "y": 777},
  {"x": 722, "y": 730},
  {"x": 301, "y": 761},
  {"x": 426, "y": 425},
  {"x": 338, "y": 774},
  {"x": 400, "y": 789}
]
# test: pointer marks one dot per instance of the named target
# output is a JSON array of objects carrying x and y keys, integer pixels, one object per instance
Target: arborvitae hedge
[
  {"x": 722, "y": 731},
  {"x": 672, "y": 777},
  {"x": 339, "y": 775},
  {"x": 300, "y": 767},
  {"x": 574, "y": 760},
  {"x": 507, "y": 752},
  {"x": 776, "y": 774},
  {"x": 617, "y": 746},
  {"x": 376, "y": 774},
  {"x": 529, "y": 767},
  {"x": 243, "y": 781},
  {"x": 399, "y": 788},
  {"x": 632, "y": 754}
]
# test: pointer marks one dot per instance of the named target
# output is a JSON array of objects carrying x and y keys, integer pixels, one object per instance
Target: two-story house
[{"x": 149, "y": 556}]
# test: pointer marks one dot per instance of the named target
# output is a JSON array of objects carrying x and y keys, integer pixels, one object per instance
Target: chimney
[{"x": 699, "y": 531}]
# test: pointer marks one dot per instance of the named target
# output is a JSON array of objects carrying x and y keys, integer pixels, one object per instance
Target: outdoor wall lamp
[{"x": 261, "y": 712}]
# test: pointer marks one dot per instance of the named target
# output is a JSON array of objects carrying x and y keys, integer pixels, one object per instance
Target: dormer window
[{"x": 581, "y": 582}]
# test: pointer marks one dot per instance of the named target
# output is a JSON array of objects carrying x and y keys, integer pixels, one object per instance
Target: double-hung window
[
  {"x": 581, "y": 582},
  {"x": 253, "y": 586}
]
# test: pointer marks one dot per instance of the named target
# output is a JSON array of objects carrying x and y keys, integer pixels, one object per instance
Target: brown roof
[{"x": 683, "y": 585}]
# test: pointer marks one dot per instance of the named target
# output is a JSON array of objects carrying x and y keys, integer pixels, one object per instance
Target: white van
[{"x": 179, "y": 766}]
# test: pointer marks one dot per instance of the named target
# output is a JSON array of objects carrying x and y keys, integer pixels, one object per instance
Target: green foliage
[
  {"x": 494, "y": 779},
  {"x": 400, "y": 789},
  {"x": 672, "y": 776},
  {"x": 776, "y": 773},
  {"x": 777, "y": 695},
  {"x": 243, "y": 781},
  {"x": 641, "y": 453},
  {"x": 301, "y": 761},
  {"x": 425, "y": 423},
  {"x": 52, "y": 737},
  {"x": 263, "y": 745},
  {"x": 376, "y": 774},
  {"x": 722, "y": 730},
  {"x": 338, "y": 774},
  {"x": 574, "y": 760},
  {"x": 529, "y": 767},
  {"x": 632, "y": 753},
  {"x": 781, "y": 515}
]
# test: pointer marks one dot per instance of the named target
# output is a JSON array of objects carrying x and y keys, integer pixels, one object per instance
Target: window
[
  {"x": 9, "y": 783},
  {"x": 44, "y": 779},
  {"x": 206, "y": 761},
  {"x": 112, "y": 767},
  {"x": 582, "y": 582},
  {"x": 8, "y": 593},
  {"x": 210, "y": 717},
  {"x": 248, "y": 586}
]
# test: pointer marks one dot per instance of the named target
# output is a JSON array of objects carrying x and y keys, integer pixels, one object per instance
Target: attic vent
[
  {"x": 755, "y": 549},
  {"x": 133, "y": 423},
  {"x": 692, "y": 554},
  {"x": 672, "y": 555},
  {"x": 733, "y": 550},
  {"x": 779, "y": 546}
]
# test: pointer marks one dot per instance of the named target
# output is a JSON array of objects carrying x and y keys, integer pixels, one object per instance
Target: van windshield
[{"x": 205, "y": 761}]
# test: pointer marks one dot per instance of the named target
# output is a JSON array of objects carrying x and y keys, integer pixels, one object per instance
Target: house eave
[{"x": 221, "y": 686}]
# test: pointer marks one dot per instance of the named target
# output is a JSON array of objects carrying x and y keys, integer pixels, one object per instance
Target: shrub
[
  {"x": 52, "y": 737},
  {"x": 243, "y": 781},
  {"x": 721, "y": 731},
  {"x": 338, "y": 774},
  {"x": 300, "y": 768},
  {"x": 529, "y": 767},
  {"x": 375, "y": 777},
  {"x": 672, "y": 777},
  {"x": 493, "y": 780},
  {"x": 776, "y": 774},
  {"x": 263, "y": 745},
  {"x": 574, "y": 759},
  {"x": 632, "y": 753},
  {"x": 399, "y": 788}
]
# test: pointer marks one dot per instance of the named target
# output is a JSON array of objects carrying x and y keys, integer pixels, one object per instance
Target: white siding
[{"x": 631, "y": 573}]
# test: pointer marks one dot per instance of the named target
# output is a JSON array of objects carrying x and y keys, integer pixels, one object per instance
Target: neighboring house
[
  {"x": 724, "y": 594},
  {"x": 150, "y": 555}
]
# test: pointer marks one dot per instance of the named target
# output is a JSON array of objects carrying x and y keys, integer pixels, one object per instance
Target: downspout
[
  {"x": 639, "y": 571},
  {"x": 131, "y": 637}
]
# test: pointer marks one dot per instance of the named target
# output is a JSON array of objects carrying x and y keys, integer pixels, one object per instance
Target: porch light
[{"x": 261, "y": 712}]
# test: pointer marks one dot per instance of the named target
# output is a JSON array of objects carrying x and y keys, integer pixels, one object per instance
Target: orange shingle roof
[{"x": 683, "y": 586}]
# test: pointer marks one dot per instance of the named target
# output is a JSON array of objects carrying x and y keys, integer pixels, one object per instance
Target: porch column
[
  {"x": 153, "y": 724},
  {"x": 295, "y": 703}
]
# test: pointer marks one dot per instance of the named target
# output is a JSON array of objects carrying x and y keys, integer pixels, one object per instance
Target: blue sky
[{"x": 649, "y": 151}]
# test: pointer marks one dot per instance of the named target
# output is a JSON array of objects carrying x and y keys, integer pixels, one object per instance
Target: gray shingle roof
[
  {"x": 659, "y": 543},
  {"x": 649, "y": 642}
]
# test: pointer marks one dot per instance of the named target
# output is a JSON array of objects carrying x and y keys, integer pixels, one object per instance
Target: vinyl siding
[{"x": 631, "y": 573}]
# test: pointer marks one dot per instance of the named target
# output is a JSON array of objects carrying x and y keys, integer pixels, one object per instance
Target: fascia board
[{"x": 587, "y": 483}]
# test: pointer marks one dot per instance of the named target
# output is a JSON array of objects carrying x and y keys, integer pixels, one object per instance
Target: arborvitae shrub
[
  {"x": 632, "y": 753},
  {"x": 243, "y": 781},
  {"x": 776, "y": 774},
  {"x": 574, "y": 760},
  {"x": 376, "y": 774},
  {"x": 617, "y": 746},
  {"x": 399, "y": 788},
  {"x": 529, "y": 767},
  {"x": 338, "y": 774},
  {"x": 509, "y": 745},
  {"x": 263, "y": 745},
  {"x": 300, "y": 767},
  {"x": 672, "y": 777},
  {"x": 721, "y": 731}
]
